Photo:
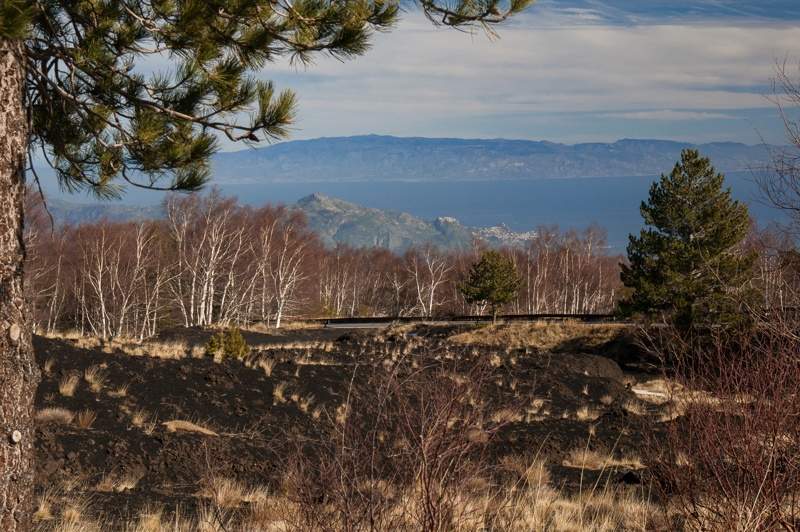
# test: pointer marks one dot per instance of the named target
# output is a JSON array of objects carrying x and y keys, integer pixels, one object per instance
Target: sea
[{"x": 575, "y": 203}]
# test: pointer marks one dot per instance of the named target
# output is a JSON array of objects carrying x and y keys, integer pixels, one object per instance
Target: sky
[{"x": 566, "y": 71}]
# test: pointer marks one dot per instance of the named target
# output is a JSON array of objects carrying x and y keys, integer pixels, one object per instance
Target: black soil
[{"x": 254, "y": 430}]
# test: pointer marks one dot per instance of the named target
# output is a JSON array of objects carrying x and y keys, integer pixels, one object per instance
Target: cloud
[
  {"x": 671, "y": 115},
  {"x": 640, "y": 12},
  {"x": 419, "y": 78}
]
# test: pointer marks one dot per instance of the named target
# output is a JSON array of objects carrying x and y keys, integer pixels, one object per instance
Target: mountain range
[{"x": 378, "y": 158}]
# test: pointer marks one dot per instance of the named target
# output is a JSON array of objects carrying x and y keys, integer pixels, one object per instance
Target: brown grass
[
  {"x": 299, "y": 325},
  {"x": 583, "y": 458},
  {"x": 505, "y": 416},
  {"x": 587, "y": 413},
  {"x": 142, "y": 419},
  {"x": 95, "y": 377},
  {"x": 139, "y": 418},
  {"x": 228, "y": 493},
  {"x": 85, "y": 419},
  {"x": 44, "y": 506},
  {"x": 55, "y": 415},
  {"x": 267, "y": 364},
  {"x": 68, "y": 385},
  {"x": 540, "y": 335},
  {"x": 635, "y": 407},
  {"x": 167, "y": 350},
  {"x": 530, "y": 505},
  {"x": 119, "y": 483},
  {"x": 120, "y": 391},
  {"x": 279, "y": 392},
  {"x": 188, "y": 426}
]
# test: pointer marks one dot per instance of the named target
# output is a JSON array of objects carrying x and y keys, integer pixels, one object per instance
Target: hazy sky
[{"x": 568, "y": 71}]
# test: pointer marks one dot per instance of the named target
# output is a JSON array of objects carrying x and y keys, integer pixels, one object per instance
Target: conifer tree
[
  {"x": 493, "y": 280},
  {"x": 73, "y": 89},
  {"x": 686, "y": 265}
]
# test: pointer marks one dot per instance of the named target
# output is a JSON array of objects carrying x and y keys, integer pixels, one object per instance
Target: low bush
[
  {"x": 228, "y": 343},
  {"x": 730, "y": 459}
]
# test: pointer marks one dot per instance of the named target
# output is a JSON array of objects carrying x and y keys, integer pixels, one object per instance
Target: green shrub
[{"x": 228, "y": 343}]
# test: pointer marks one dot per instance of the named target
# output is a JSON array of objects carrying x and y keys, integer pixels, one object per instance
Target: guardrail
[{"x": 586, "y": 318}]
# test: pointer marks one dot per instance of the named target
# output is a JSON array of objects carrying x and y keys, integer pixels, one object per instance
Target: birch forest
[{"x": 212, "y": 261}]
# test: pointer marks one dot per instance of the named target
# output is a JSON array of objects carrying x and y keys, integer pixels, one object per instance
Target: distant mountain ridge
[{"x": 386, "y": 158}]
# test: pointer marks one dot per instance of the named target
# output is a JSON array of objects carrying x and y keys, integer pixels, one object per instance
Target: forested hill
[{"x": 383, "y": 158}]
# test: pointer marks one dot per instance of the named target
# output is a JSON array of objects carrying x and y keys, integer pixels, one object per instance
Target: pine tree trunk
[{"x": 19, "y": 374}]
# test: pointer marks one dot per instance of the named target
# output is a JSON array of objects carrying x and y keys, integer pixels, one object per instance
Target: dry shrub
[
  {"x": 731, "y": 461},
  {"x": 400, "y": 455}
]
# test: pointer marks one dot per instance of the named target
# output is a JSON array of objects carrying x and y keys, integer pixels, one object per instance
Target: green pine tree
[
  {"x": 75, "y": 92},
  {"x": 492, "y": 280},
  {"x": 686, "y": 266}
]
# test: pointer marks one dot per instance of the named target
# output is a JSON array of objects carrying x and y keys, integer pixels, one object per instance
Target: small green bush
[{"x": 228, "y": 343}]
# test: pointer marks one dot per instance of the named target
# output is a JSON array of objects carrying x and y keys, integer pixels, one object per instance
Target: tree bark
[{"x": 19, "y": 374}]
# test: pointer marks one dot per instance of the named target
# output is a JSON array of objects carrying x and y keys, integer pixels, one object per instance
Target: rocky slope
[{"x": 338, "y": 221}]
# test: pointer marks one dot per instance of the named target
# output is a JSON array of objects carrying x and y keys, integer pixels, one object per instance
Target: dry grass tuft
[
  {"x": 267, "y": 364},
  {"x": 188, "y": 426},
  {"x": 197, "y": 351},
  {"x": 85, "y": 419},
  {"x": 305, "y": 403},
  {"x": 534, "y": 472},
  {"x": 95, "y": 377},
  {"x": 279, "y": 392},
  {"x": 120, "y": 391},
  {"x": 44, "y": 506},
  {"x": 529, "y": 504},
  {"x": 584, "y": 458},
  {"x": 540, "y": 335},
  {"x": 228, "y": 493},
  {"x": 587, "y": 413},
  {"x": 140, "y": 417},
  {"x": 73, "y": 514},
  {"x": 119, "y": 483},
  {"x": 55, "y": 415},
  {"x": 167, "y": 350},
  {"x": 635, "y": 407},
  {"x": 68, "y": 385},
  {"x": 505, "y": 416}
]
